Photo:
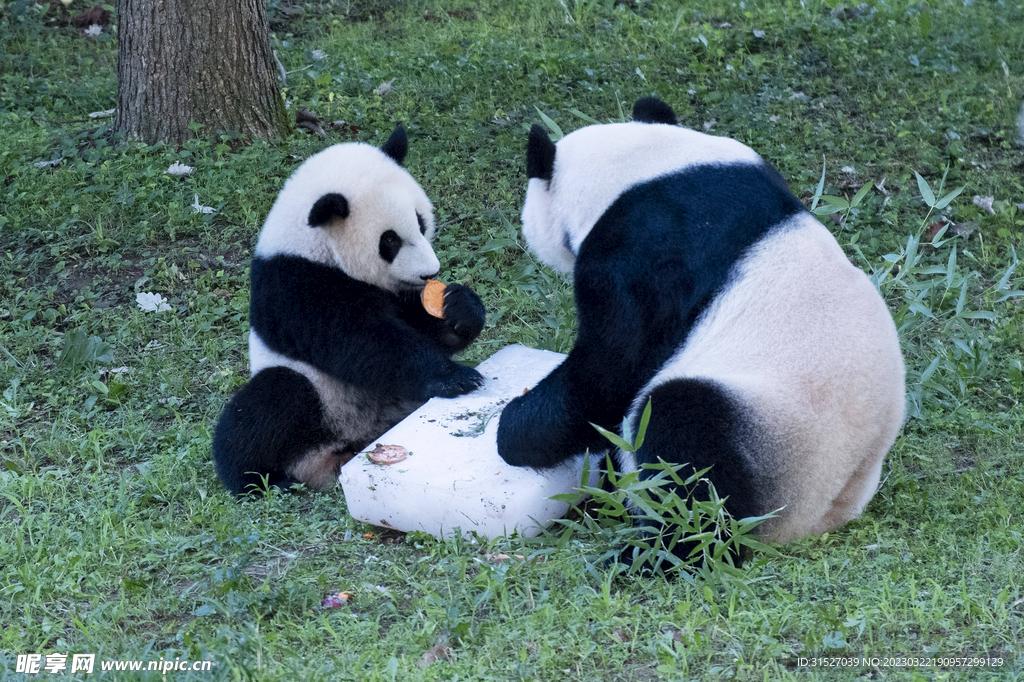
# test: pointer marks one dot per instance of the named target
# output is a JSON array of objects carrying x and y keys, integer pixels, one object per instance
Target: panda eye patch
[
  {"x": 390, "y": 243},
  {"x": 423, "y": 225}
]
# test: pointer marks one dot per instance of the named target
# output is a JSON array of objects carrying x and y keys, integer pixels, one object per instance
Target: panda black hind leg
[
  {"x": 696, "y": 423},
  {"x": 273, "y": 429}
]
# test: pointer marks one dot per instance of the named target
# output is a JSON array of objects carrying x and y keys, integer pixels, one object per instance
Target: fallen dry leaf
[
  {"x": 199, "y": 208},
  {"x": 179, "y": 169},
  {"x": 333, "y": 601},
  {"x": 984, "y": 203},
  {"x": 386, "y": 455},
  {"x": 441, "y": 651},
  {"x": 307, "y": 120},
  {"x": 97, "y": 16},
  {"x": 147, "y": 300},
  {"x": 676, "y": 634},
  {"x": 934, "y": 228},
  {"x": 964, "y": 229}
]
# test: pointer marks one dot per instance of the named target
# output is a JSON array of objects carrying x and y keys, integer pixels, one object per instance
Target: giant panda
[
  {"x": 340, "y": 347},
  {"x": 704, "y": 286}
]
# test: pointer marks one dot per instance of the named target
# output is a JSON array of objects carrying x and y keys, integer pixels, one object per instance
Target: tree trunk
[{"x": 206, "y": 62}]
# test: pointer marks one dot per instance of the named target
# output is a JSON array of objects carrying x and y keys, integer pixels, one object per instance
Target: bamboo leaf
[
  {"x": 963, "y": 296},
  {"x": 932, "y": 366},
  {"x": 1006, "y": 276},
  {"x": 944, "y": 201},
  {"x": 580, "y": 114},
  {"x": 861, "y": 193},
  {"x": 614, "y": 438},
  {"x": 980, "y": 315},
  {"x": 926, "y": 191},
  {"x": 552, "y": 126},
  {"x": 641, "y": 431},
  {"x": 951, "y": 267},
  {"x": 821, "y": 185}
]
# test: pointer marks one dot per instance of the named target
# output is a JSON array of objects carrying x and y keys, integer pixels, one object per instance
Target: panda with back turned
[
  {"x": 704, "y": 286},
  {"x": 340, "y": 347}
]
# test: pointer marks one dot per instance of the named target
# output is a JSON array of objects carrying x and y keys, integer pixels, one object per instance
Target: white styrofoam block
[{"x": 453, "y": 477}]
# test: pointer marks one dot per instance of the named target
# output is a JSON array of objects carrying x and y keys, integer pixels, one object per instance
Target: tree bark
[{"x": 206, "y": 62}]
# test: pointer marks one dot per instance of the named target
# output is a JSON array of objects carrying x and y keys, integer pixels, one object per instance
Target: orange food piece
[{"x": 433, "y": 298}]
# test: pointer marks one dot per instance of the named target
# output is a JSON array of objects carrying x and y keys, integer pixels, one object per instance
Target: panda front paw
[
  {"x": 460, "y": 380},
  {"x": 464, "y": 312}
]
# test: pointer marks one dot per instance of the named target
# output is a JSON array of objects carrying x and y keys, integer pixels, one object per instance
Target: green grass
[{"x": 116, "y": 537}]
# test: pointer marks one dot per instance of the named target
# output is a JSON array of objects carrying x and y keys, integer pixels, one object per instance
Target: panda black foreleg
[
  {"x": 555, "y": 419},
  {"x": 272, "y": 423},
  {"x": 696, "y": 424}
]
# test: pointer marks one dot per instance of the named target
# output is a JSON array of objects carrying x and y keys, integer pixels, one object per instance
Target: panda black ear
[
  {"x": 397, "y": 145},
  {"x": 653, "y": 110},
  {"x": 327, "y": 208},
  {"x": 540, "y": 154}
]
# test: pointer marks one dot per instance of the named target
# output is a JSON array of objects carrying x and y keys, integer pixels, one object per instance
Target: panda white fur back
[
  {"x": 340, "y": 347},
  {"x": 704, "y": 286}
]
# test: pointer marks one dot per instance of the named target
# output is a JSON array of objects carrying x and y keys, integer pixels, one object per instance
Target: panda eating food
[
  {"x": 704, "y": 286},
  {"x": 340, "y": 348}
]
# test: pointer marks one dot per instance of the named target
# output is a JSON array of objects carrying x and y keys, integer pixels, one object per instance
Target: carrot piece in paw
[{"x": 433, "y": 298}]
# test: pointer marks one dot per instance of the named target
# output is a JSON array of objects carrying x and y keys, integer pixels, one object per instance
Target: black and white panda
[
  {"x": 340, "y": 347},
  {"x": 703, "y": 285}
]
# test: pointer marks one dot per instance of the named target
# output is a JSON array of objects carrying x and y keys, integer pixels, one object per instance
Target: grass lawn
[{"x": 117, "y": 539}]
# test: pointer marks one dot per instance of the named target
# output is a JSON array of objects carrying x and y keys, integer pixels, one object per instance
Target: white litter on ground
[{"x": 453, "y": 477}]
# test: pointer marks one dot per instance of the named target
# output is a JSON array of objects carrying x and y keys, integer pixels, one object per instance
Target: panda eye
[
  {"x": 423, "y": 225},
  {"x": 390, "y": 243}
]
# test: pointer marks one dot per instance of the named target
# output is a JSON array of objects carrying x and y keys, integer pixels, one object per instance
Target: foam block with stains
[{"x": 453, "y": 477}]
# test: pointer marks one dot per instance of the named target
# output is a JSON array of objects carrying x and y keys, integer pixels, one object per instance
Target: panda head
[
  {"x": 354, "y": 207},
  {"x": 572, "y": 183}
]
